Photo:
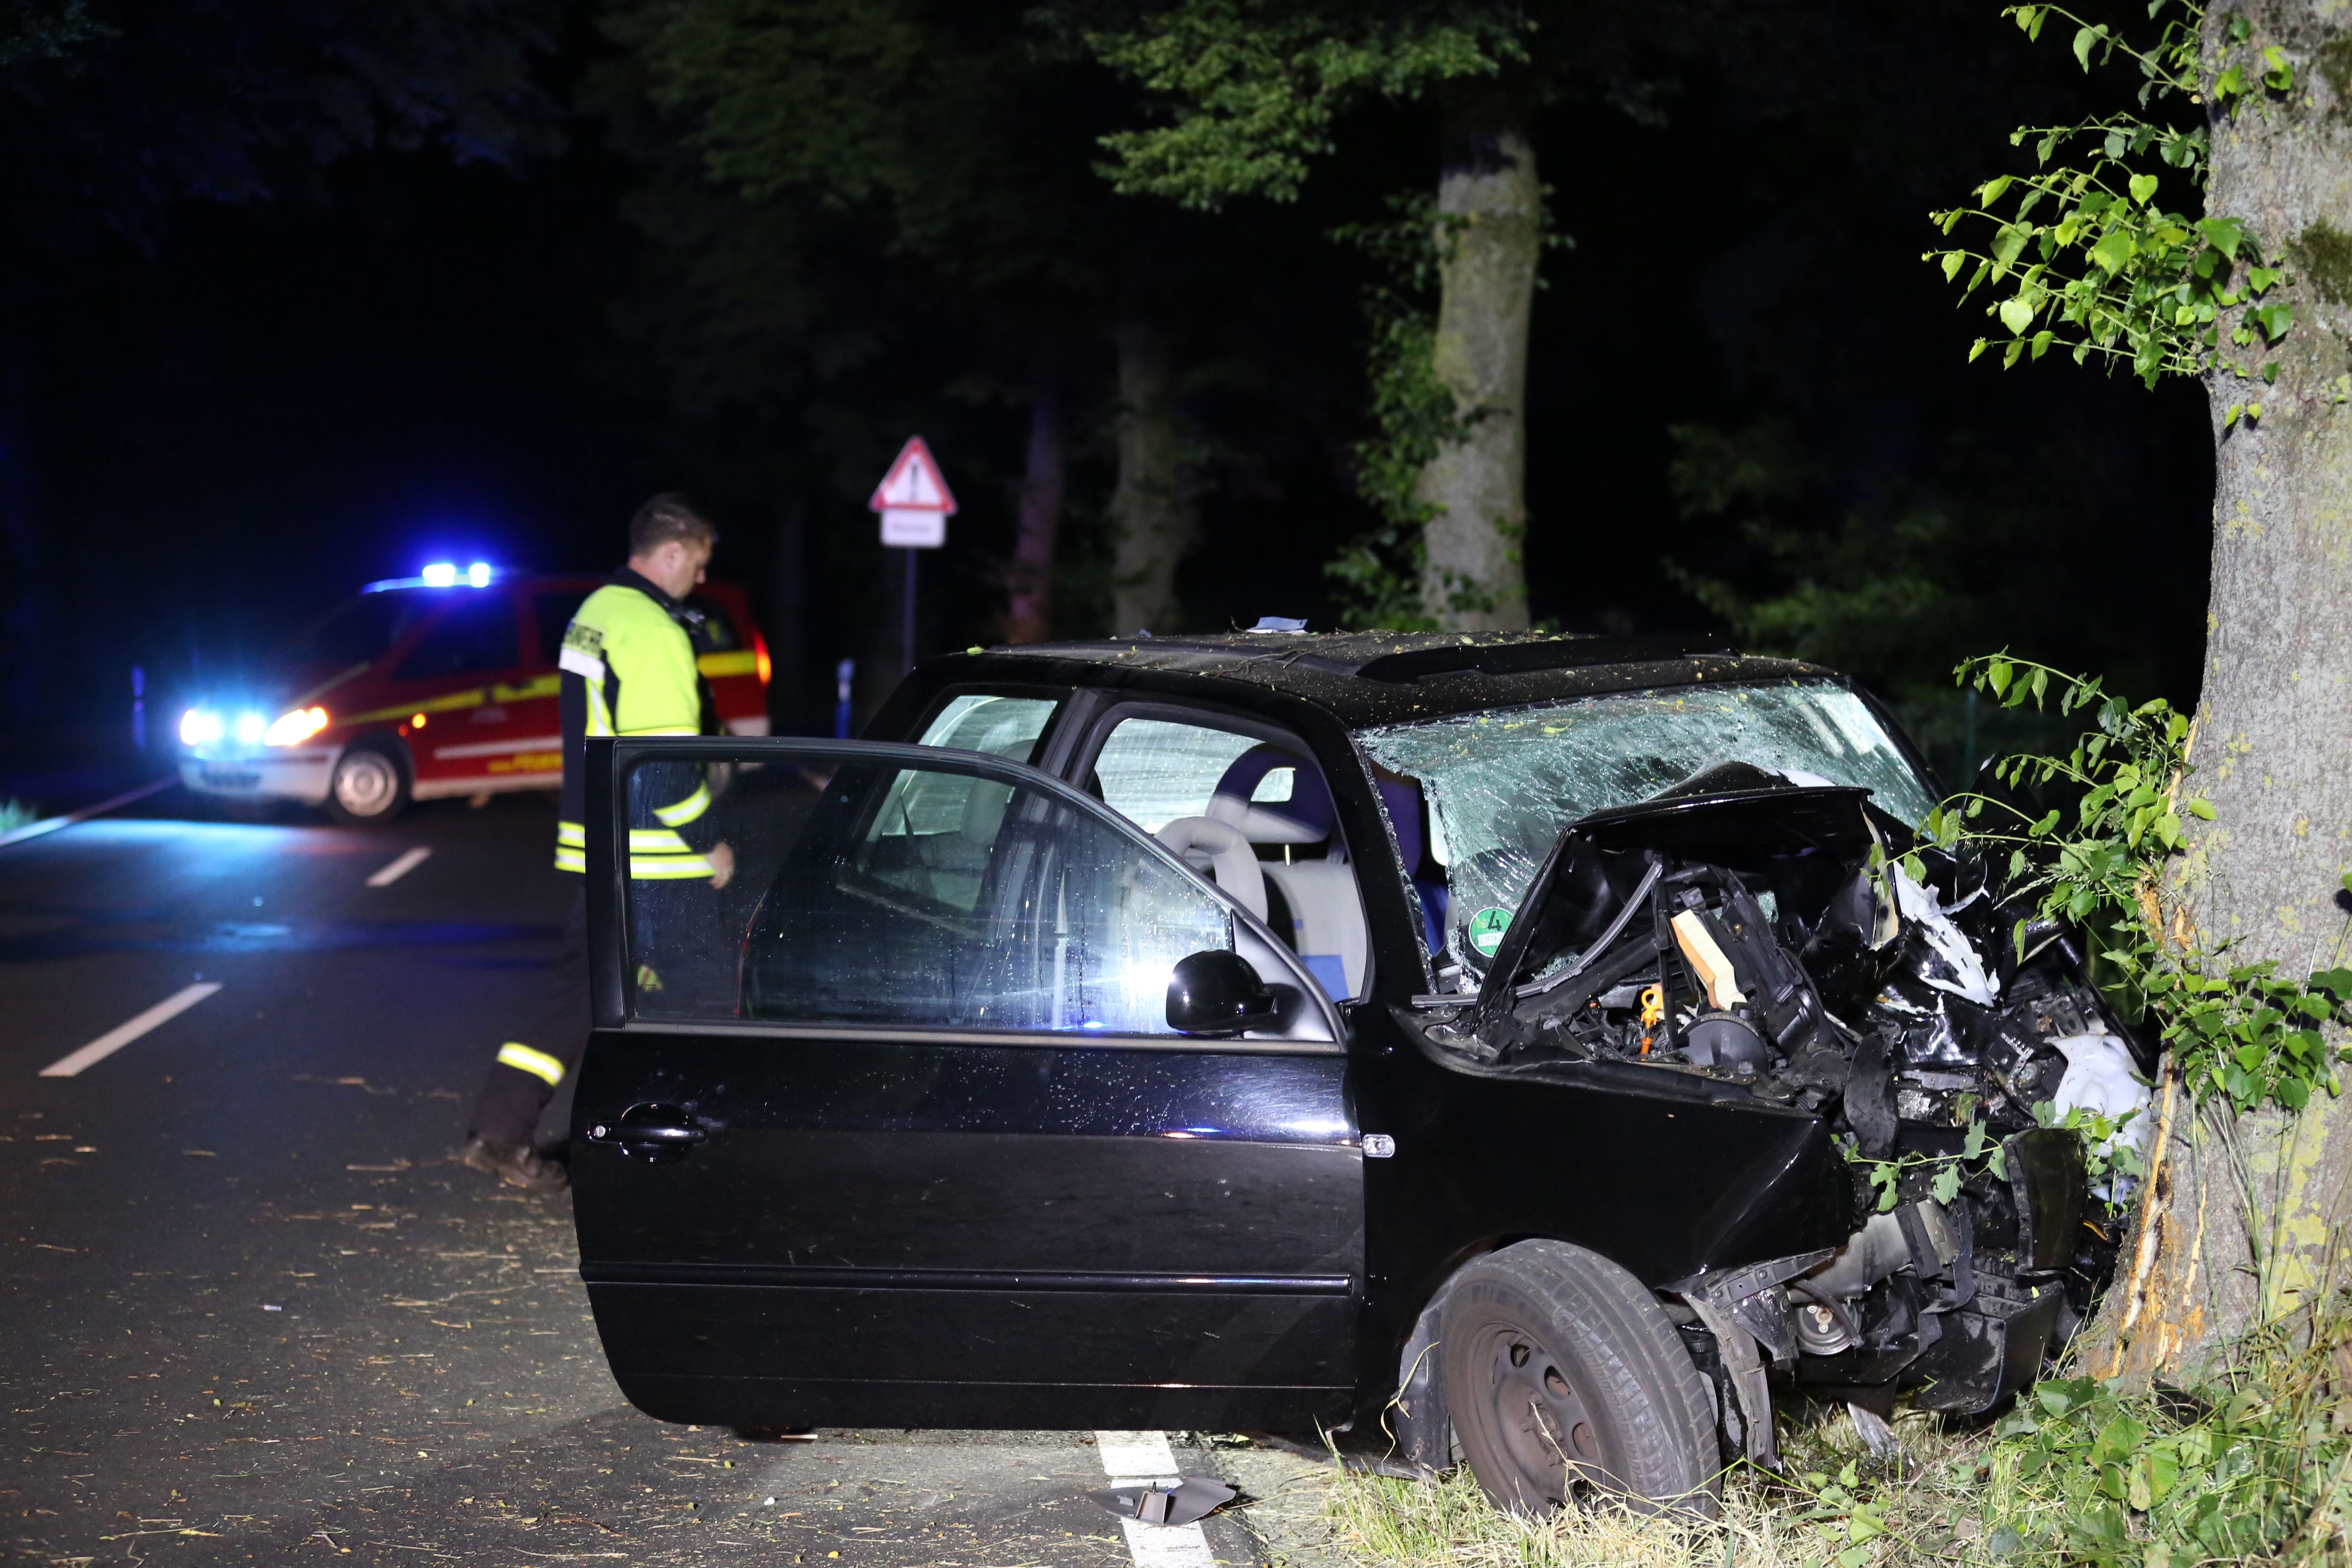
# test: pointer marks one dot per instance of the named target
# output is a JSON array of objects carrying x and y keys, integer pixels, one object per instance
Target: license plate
[{"x": 231, "y": 778}]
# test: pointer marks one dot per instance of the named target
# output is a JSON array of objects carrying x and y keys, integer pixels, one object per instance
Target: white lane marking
[
  {"x": 34, "y": 830},
  {"x": 114, "y": 1039},
  {"x": 400, "y": 867},
  {"x": 1130, "y": 1458}
]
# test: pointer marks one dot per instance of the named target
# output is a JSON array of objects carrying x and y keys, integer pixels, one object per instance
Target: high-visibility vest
[{"x": 628, "y": 668}]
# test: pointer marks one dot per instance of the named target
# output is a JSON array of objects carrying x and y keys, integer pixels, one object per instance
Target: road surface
[{"x": 250, "y": 1309}]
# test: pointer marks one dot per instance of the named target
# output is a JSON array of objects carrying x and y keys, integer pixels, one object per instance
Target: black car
[{"x": 1272, "y": 1029}]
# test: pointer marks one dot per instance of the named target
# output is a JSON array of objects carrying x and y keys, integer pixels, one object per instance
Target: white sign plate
[{"x": 907, "y": 529}]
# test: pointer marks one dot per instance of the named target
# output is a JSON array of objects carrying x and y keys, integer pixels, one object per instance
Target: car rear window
[{"x": 478, "y": 634}]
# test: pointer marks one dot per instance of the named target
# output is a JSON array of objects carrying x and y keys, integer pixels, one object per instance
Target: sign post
[{"x": 915, "y": 503}]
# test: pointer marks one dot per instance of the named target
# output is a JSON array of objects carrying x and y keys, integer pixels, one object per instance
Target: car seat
[{"x": 1326, "y": 908}]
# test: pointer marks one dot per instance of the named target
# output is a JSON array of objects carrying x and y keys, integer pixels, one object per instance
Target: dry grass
[{"x": 1928, "y": 1502}]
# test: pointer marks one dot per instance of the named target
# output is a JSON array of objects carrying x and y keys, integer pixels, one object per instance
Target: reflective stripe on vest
[{"x": 539, "y": 1064}]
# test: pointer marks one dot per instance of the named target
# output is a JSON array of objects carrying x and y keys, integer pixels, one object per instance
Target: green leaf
[
  {"x": 1952, "y": 261},
  {"x": 2272, "y": 319},
  {"x": 2117, "y": 1440},
  {"x": 2017, "y": 313},
  {"x": 2281, "y": 75},
  {"x": 2112, "y": 252},
  {"x": 1947, "y": 1185},
  {"x": 2142, "y": 187},
  {"x": 2223, "y": 233},
  {"x": 2085, "y": 39}
]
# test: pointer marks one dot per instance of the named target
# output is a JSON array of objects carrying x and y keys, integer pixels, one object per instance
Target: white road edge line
[
  {"x": 50, "y": 825},
  {"x": 114, "y": 1039},
  {"x": 1132, "y": 1458},
  {"x": 400, "y": 867}
]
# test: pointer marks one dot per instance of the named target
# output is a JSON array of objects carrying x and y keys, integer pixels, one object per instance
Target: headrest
[{"x": 1307, "y": 817}]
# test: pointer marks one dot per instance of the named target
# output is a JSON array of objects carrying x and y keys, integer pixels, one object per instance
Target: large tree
[
  {"x": 1252, "y": 92},
  {"x": 2240, "y": 1223}
]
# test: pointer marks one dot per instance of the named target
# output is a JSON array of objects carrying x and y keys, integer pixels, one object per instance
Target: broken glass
[{"x": 1502, "y": 786}]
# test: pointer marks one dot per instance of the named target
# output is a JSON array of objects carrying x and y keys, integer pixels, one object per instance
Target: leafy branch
[
  {"x": 2239, "y": 1031},
  {"x": 2105, "y": 268}
]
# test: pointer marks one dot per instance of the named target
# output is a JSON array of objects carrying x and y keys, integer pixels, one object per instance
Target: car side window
[
  {"x": 1002, "y": 726},
  {"x": 476, "y": 635},
  {"x": 1257, "y": 818},
  {"x": 940, "y": 895}
]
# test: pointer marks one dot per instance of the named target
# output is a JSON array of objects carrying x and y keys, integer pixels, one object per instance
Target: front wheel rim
[
  {"x": 1540, "y": 1423},
  {"x": 366, "y": 784}
]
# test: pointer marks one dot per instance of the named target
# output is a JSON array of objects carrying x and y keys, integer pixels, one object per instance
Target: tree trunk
[
  {"x": 2238, "y": 1229},
  {"x": 1029, "y": 581},
  {"x": 1491, "y": 203},
  {"x": 1151, "y": 514}
]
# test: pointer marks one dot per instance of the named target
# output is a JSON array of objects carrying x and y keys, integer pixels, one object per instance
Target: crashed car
[{"x": 1490, "y": 1037}]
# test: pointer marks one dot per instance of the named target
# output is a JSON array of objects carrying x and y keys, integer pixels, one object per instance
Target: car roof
[{"x": 1372, "y": 677}]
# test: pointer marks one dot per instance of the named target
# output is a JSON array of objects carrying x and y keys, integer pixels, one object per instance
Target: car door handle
[{"x": 652, "y": 1131}]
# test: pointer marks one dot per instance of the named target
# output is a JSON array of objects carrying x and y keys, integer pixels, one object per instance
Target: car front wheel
[
  {"x": 368, "y": 785},
  {"x": 1565, "y": 1377}
]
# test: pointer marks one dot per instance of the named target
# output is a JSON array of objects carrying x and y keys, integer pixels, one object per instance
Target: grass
[
  {"x": 2254, "y": 1468},
  {"x": 1914, "y": 1509}
]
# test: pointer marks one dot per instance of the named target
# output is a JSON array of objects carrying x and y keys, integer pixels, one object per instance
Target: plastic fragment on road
[{"x": 1191, "y": 1499}]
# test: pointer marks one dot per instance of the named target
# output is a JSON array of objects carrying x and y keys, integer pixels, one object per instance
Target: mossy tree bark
[
  {"x": 1152, "y": 511},
  {"x": 1491, "y": 203},
  {"x": 2239, "y": 1225}
]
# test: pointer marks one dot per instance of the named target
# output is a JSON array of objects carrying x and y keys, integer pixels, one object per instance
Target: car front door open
[{"x": 894, "y": 1130}]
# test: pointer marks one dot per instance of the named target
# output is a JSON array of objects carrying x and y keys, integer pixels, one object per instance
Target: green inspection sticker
[{"x": 1487, "y": 928}]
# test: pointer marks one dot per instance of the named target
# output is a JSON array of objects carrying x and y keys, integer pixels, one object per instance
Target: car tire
[
  {"x": 369, "y": 784},
  {"x": 1565, "y": 1377}
]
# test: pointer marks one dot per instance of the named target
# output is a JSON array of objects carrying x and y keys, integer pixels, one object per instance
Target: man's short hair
[{"x": 666, "y": 517}]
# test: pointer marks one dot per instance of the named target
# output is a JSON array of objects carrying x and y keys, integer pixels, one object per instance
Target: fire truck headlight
[
  {"x": 199, "y": 727},
  {"x": 293, "y": 728},
  {"x": 250, "y": 728}
]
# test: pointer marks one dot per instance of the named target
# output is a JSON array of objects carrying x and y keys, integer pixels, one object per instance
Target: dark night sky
[{"x": 431, "y": 359}]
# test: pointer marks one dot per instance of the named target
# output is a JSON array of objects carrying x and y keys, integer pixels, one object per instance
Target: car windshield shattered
[{"x": 1501, "y": 787}]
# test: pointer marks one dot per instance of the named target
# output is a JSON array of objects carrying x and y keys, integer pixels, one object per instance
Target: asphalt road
[{"x": 249, "y": 1306}]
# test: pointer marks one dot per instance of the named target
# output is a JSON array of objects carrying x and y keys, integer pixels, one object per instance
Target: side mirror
[{"x": 1217, "y": 992}]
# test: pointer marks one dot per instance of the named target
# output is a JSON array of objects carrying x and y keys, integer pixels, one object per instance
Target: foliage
[
  {"x": 15, "y": 814},
  {"x": 1379, "y": 574},
  {"x": 2241, "y": 1032},
  {"x": 1873, "y": 591},
  {"x": 1253, "y": 86},
  {"x": 2104, "y": 268},
  {"x": 2248, "y": 1470}
]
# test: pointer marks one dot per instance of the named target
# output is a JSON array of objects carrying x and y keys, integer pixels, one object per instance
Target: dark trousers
[{"x": 512, "y": 1097}]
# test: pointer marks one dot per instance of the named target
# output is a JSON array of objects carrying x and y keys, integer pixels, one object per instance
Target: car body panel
[{"x": 950, "y": 1226}]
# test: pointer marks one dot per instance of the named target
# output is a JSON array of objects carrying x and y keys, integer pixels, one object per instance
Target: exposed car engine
[{"x": 1764, "y": 935}]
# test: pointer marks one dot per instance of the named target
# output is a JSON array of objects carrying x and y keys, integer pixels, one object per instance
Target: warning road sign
[{"x": 914, "y": 499}]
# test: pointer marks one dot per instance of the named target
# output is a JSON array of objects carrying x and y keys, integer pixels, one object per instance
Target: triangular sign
[{"x": 914, "y": 483}]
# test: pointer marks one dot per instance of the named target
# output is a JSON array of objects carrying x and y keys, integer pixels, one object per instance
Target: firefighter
[{"x": 628, "y": 668}]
